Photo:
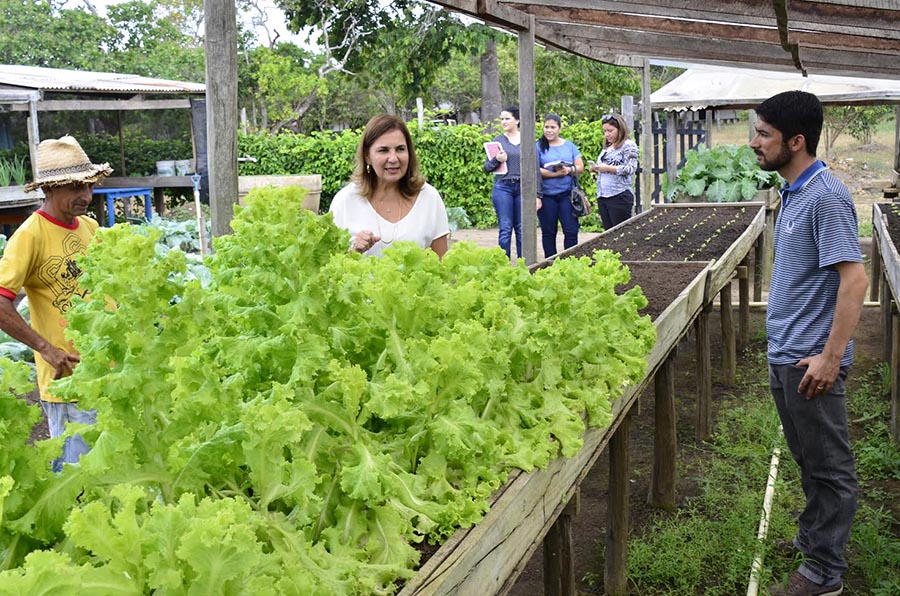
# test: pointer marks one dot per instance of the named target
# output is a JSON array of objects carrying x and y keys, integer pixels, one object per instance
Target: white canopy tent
[{"x": 702, "y": 87}]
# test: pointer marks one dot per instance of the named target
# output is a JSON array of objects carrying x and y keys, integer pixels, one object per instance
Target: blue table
[{"x": 115, "y": 193}]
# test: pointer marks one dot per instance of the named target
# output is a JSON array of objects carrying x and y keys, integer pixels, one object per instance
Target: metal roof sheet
[
  {"x": 57, "y": 79},
  {"x": 702, "y": 87}
]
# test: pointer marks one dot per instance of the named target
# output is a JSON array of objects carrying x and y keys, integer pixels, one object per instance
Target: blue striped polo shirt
[{"x": 816, "y": 229}]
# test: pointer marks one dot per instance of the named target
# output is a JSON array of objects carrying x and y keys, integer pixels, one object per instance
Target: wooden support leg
[
  {"x": 744, "y": 304},
  {"x": 126, "y": 207},
  {"x": 559, "y": 556},
  {"x": 729, "y": 348},
  {"x": 704, "y": 378},
  {"x": 159, "y": 202},
  {"x": 875, "y": 261},
  {"x": 665, "y": 440},
  {"x": 885, "y": 299},
  {"x": 759, "y": 269},
  {"x": 895, "y": 377},
  {"x": 768, "y": 236},
  {"x": 616, "y": 576},
  {"x": 100, "y": 209}
]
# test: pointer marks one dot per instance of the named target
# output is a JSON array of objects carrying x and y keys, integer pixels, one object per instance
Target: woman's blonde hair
[
  {"x": 412, "y": 181},
  {"x": 617, "y": 121}
]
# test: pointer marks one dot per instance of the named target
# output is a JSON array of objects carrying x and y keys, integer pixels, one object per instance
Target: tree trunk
[{"x": 490, "y": 84}]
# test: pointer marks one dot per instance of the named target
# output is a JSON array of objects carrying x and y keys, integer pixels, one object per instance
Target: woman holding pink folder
[{"x": 507, "y": 191}]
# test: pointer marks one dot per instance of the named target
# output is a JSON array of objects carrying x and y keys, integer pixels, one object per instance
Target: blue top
[
  {"x": 816, "y": 229},
  {"x": 566, "y": 152}
]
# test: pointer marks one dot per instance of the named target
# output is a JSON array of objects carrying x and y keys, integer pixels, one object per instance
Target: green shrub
[{"x": 725, "y": 173}]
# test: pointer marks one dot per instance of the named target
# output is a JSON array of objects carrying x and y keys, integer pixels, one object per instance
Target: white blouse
[{"x": 426, "y": 221}]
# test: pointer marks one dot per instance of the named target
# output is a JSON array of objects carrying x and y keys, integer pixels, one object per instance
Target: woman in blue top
[
  {"x": 557, "y": 160},
  {"x": 507, "y": 191}
]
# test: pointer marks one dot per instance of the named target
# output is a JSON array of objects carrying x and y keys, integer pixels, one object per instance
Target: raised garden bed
[
  {"x": 489, "y": 556},
  {"x": 675, "y": 233}
]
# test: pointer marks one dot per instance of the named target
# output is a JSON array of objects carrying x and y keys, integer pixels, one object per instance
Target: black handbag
[{"x": 581, "y": 205}]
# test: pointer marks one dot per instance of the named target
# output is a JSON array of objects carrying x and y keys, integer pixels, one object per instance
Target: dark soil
[
  {"x": 891, "y": 213},
  {"x": 661, "y": 282},
  {"x": 675, "y": 234}
]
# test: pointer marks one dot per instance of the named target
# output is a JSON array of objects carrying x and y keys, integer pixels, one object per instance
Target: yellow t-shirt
[{"x": 40, "y": 257}]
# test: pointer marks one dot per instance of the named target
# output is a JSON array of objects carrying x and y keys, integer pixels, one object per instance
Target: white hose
[{"x": 753, "y": 586}]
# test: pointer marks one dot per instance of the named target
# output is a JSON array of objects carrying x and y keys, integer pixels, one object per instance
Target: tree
[
  {"x": 859, "y": 121},
  {"x": 151, "y": 43},
  {"x": 36, "y": 33}
]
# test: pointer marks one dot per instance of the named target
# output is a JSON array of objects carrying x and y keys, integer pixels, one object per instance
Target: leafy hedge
[{"x": 451, "y": 158}]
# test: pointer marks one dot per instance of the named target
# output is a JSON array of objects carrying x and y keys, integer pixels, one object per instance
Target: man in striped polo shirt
[{"x": 815, "y": 299}]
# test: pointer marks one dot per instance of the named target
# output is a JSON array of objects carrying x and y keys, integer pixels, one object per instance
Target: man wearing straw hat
[{"x": 40, "y": 257}]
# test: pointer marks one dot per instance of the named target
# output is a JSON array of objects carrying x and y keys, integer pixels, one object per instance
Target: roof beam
[
  {"x": 804, "y": 15},
  {"x": 100, "y": 105}
]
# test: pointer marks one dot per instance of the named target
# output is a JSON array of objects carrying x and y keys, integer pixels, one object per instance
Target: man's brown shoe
[{"x": 797, "y": 585}]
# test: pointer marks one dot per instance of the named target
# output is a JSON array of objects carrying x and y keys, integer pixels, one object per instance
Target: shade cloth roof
[
  {"x": 721, "y": 87},
  {"x": 82, "y": 81}
]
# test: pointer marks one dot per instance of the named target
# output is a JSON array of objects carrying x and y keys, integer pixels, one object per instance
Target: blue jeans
[
  {"x": 553, "y": 208},
  {"x": 615, "y": 209},
  {"x": 507, "y": 198},
  {"x": 58, "y": 414},
  {"x": 816, "y": 433}
]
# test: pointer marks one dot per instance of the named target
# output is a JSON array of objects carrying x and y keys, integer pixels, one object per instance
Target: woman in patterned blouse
[{"x": 616, "y": 166}]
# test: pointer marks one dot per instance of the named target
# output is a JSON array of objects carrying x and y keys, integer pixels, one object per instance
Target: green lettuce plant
[
  {"x": 299, "y": 422},
  {"x": 723, "y": 174}
]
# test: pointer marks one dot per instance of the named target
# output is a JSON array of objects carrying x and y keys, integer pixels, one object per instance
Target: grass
[{"x": 707, "y": 546}]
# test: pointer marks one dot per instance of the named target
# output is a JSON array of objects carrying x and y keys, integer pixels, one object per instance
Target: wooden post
[
  {"x": 34, "y": 136},
  {"x": 615, "y": 578},
  {"x": 768, "y": 237},
  {"x": 895, "y": 377},
  {"x": 744, "y": 303},
  {"x": 647, "y": 140},
  {"x": 751, "y": 122},
  {"x": 671, "y": 146},
  {"x": 709, "y": 127},
  {"x": 559, "y": 559},
  {"x": 729, "y": 347},
  {"x": 527, "y": 132},
  {"x": 123, "y": 173},
  {"x": 159, "y": 201},
  {"x": 704, "y": 377},
  {"x": 221, "y": 111},
  {"x": 759, "y": 259},
  {"x": 886, "y": 301},
  {"x": 665, "y": 438},
  {"x": 875, "y": 261}
]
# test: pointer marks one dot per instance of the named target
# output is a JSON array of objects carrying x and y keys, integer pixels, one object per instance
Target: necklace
[
  {"x": 380, "y": 235},
  {"x": 388, "y": 209}
]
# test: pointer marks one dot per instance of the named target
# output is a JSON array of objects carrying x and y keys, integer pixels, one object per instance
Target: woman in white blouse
[{"x": 388, "y": 199}]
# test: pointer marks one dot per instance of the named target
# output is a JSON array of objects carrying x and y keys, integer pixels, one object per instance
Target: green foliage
[
  {"x": 5, "y": 173},
  {"x": 877, "y": 545},
  {"x": 141, "y": 153},
  {"x": 725, "y": 173},
  {"x": 293, "y": 426},
  {"x": 36, "y": 33}
]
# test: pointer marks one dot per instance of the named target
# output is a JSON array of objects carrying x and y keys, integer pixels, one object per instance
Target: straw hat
[{"x": 63, "y": 161}]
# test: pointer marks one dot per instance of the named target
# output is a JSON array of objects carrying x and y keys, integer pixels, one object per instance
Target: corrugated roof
[
  {"x": 57, "y": 79},
  {"x": 702, "y": 87}
]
